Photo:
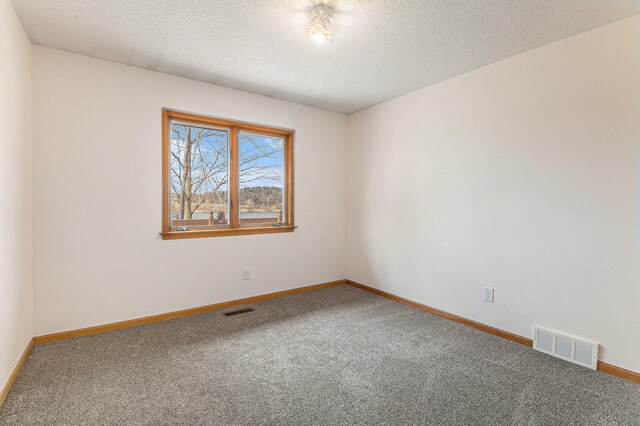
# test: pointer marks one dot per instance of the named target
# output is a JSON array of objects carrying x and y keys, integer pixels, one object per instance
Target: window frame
[{"x": 234, "y": 227}]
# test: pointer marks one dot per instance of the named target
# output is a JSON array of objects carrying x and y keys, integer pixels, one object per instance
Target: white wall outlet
[
  {"x": 488, "y": 294},
  {"x": 246, "y": 274}
]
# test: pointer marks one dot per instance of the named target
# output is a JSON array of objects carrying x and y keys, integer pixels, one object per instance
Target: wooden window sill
[{"x": 206, "y": 233}]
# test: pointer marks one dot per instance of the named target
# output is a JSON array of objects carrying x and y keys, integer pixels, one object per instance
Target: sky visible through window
[
  {"x": 261, "y": 160},
  {"x": 200, "y": 175},
  {"x": 261, "y": 177}
]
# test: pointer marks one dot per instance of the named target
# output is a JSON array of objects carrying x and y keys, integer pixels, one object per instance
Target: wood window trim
[{"x": 234, "y": 228}]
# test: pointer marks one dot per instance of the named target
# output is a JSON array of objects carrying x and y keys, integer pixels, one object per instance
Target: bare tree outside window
[
  {"x": 224, "y": 177},
  {"x": 199, "y": 173},
  {"x": 200, "y": 177}
]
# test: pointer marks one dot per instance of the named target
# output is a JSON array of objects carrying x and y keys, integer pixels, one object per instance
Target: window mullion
[{"x": 234, "y": 180}]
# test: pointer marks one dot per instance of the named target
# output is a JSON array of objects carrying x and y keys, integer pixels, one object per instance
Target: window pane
[
  {"x": 261, "y": 160},
  {"x": 199, "y": 176}
]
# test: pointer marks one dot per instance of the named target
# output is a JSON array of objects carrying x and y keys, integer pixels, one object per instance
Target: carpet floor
[{"x": 337, "y": 356}]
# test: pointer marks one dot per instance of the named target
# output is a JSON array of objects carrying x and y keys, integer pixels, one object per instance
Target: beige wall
[
  {"x": 97, "y": 141},
  {"x": 16, "y": 283},
  {"x": 522, "y": 176}
]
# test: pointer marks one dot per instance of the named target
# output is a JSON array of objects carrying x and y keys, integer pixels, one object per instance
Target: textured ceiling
[{"x": 382, "y": 48}]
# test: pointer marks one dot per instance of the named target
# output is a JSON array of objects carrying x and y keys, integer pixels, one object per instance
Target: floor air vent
[
  {"x": 238, "y": 312},
  {"x": 578, "y": 351}
]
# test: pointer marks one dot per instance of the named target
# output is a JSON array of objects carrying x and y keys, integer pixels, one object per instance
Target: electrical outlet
[
  {"x": 488, "y": 294},
  {"x": 246, "y": 274}
]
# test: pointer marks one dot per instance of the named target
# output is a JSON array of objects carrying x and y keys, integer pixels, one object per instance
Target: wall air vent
[
  {"x": 238, "y": 312},
  {"x": 572, "y": 349}
]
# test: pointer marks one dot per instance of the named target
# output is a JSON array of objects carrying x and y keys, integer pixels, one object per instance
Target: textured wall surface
[
  {"x": 98, "y": 186},
  {"x": 16, "y": 187},
  {"x": 522, "y": 176},
  {"x": 382, "y": 48}
]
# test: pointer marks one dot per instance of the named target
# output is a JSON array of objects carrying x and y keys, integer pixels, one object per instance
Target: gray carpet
[{"x": 333, "y": 356}]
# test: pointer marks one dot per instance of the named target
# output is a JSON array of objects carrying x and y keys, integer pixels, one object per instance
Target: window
[{"x": 223, "y": 177}]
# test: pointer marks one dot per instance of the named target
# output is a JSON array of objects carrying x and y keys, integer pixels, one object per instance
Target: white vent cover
[{"x": 578, "y": 351}]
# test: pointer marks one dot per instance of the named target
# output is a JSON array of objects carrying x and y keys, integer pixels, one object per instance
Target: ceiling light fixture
[{"x": 318, "y": 28}]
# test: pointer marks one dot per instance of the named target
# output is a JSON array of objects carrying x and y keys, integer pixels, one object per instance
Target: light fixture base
[{"x": 318, "y": 29}]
